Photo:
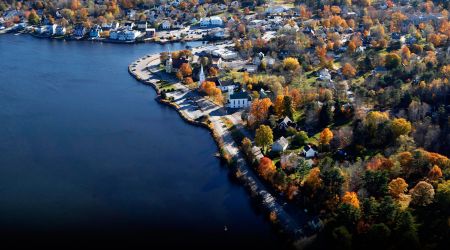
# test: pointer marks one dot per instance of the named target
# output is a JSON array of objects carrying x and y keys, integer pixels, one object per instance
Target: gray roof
[{"x": 241, "y": 95}]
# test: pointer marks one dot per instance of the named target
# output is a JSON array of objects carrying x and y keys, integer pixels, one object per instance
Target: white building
[
  {"x": 214, "y": 21},
  {"x": 239, "y": 100},
  {"x": 165, "y": 25},
  {"x": 309, "y": 152},
  {"x": 201, "y": 76},
  {"x": 280, "y": 145}
]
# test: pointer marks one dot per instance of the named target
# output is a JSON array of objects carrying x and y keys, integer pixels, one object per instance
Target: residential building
[
  {"x": 239, "y": 99},
  {"x": 280, "y": 145}
]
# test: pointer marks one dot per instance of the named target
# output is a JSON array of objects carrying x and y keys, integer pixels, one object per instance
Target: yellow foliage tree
[
  {"x": 291, "y": 63},
  {"x": 400, "y": 126},
  {"x": 278, "y": 105},
  {"x": 397, "y": 187}
]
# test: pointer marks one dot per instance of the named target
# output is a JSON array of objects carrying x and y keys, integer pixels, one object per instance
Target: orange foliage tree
[
  {"x": 435, "y": 173},
  {"x": 348, "y": 70},
  {"x": 259, "y": 111},
  {"x": 211, "y": 90},
  {"x": 266, "y": 168},
  {"x": 351, "y": 198},
  {"x": 397, "y": 187},
  {"x": 186, "y": 69},
  {"x": 326, "y": 136}
]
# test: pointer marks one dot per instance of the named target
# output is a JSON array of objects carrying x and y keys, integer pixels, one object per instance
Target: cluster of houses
[{"x": 129, "y": 31}]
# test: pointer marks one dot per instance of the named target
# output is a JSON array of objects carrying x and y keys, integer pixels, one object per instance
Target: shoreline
[
  {"x": 236, "y": 163},
  {"x": 103, "y": 40}
]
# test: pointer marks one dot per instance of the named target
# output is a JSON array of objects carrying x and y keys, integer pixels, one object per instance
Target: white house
[
  {"x": 51, "y": 29},
  {"x": 239, "y": 99},
  {"x": 284, "y": 124},
  {"x": 142, "y": 25},
  {"x": 95, "y": 31},
  {"x": 132, "y": 34},
  {"x": 214, "y": 21},
  {"x": 165, "y": 25},
  {"x": 280, "y": 145},
  {"x": 309, "y": 152}
]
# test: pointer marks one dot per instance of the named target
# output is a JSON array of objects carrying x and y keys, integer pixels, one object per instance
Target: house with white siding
[{"x": 239, "y": 99}]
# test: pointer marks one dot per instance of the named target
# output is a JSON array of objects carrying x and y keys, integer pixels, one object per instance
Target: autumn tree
[
  {"x": 397, "y": 187},
  {"x": 326, "y": 136},
  {"x": 266, "y": 168},
  {"x": 259, "y": 111},
  {"x": 33, "y": 18},
  {"x": 186, "y": 69},
  {"x": 348, "y": 70},
  {"x": 392, "y": 61},
  {"x": 211, "y": 90},
  {"x": 435, "y": 173},
  {"x": 278, "y": 105},
  {"x": 291, "y": 64},
  {"x": 422, "y": 194},
  {"x": 264, "y": 137},
  {"x": 400, "y": 126},
  {"x": 350, "y": 198}
]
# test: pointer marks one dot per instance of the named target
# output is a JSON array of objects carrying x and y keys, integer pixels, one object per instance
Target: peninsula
[{"x": 335, "y": 115}]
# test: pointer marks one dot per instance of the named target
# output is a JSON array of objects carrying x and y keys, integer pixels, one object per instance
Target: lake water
[{"x": 88, "y": 155}]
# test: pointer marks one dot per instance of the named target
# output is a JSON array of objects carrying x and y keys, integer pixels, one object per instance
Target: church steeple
[{"x": 201, "y": 76}]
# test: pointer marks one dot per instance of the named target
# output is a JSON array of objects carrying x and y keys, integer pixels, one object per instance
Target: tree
[
  {"x": 376, "y": 182},
  {"x": 264, "y": 137},
  {"x": 326, "y": 136},
  {"x": 313, "y": 180},
  {"x": 266, "y": 168},
  {"x": 74, "y": 4},
  {"x": 188, "y": 81},
  {"x": 443, "y": 195},
  {"x": 400, "y": 126},
  {"x": 278, "y": 105},
  {"x": 342, "y": 237},
  {"x": 211, "y": 90},
  {"x": 213, "y": 71},
  {"x": 351, "y": 48},
  {"x": 246, "y": 145},
  {"x": 186, "y": 69},
  {"x": 435, "y": 173},
  {"x": 397, "y": 187},
  {"x": 288, "y": 110},
  {"x": 422, "y": 194},
  {"x": 348, "y": 70},
  {"x": 259, "y": 111},
  {"x": 300, "y": 138},
  {"x": 351, "y": 198},
  {"x": 291, "y": 63},
  {"x": 33, "y": 18},
  {"x": 392, "y": 61}
]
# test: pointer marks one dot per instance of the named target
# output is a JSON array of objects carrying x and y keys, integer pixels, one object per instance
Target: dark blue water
[{"x": 88, "y": 155}]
